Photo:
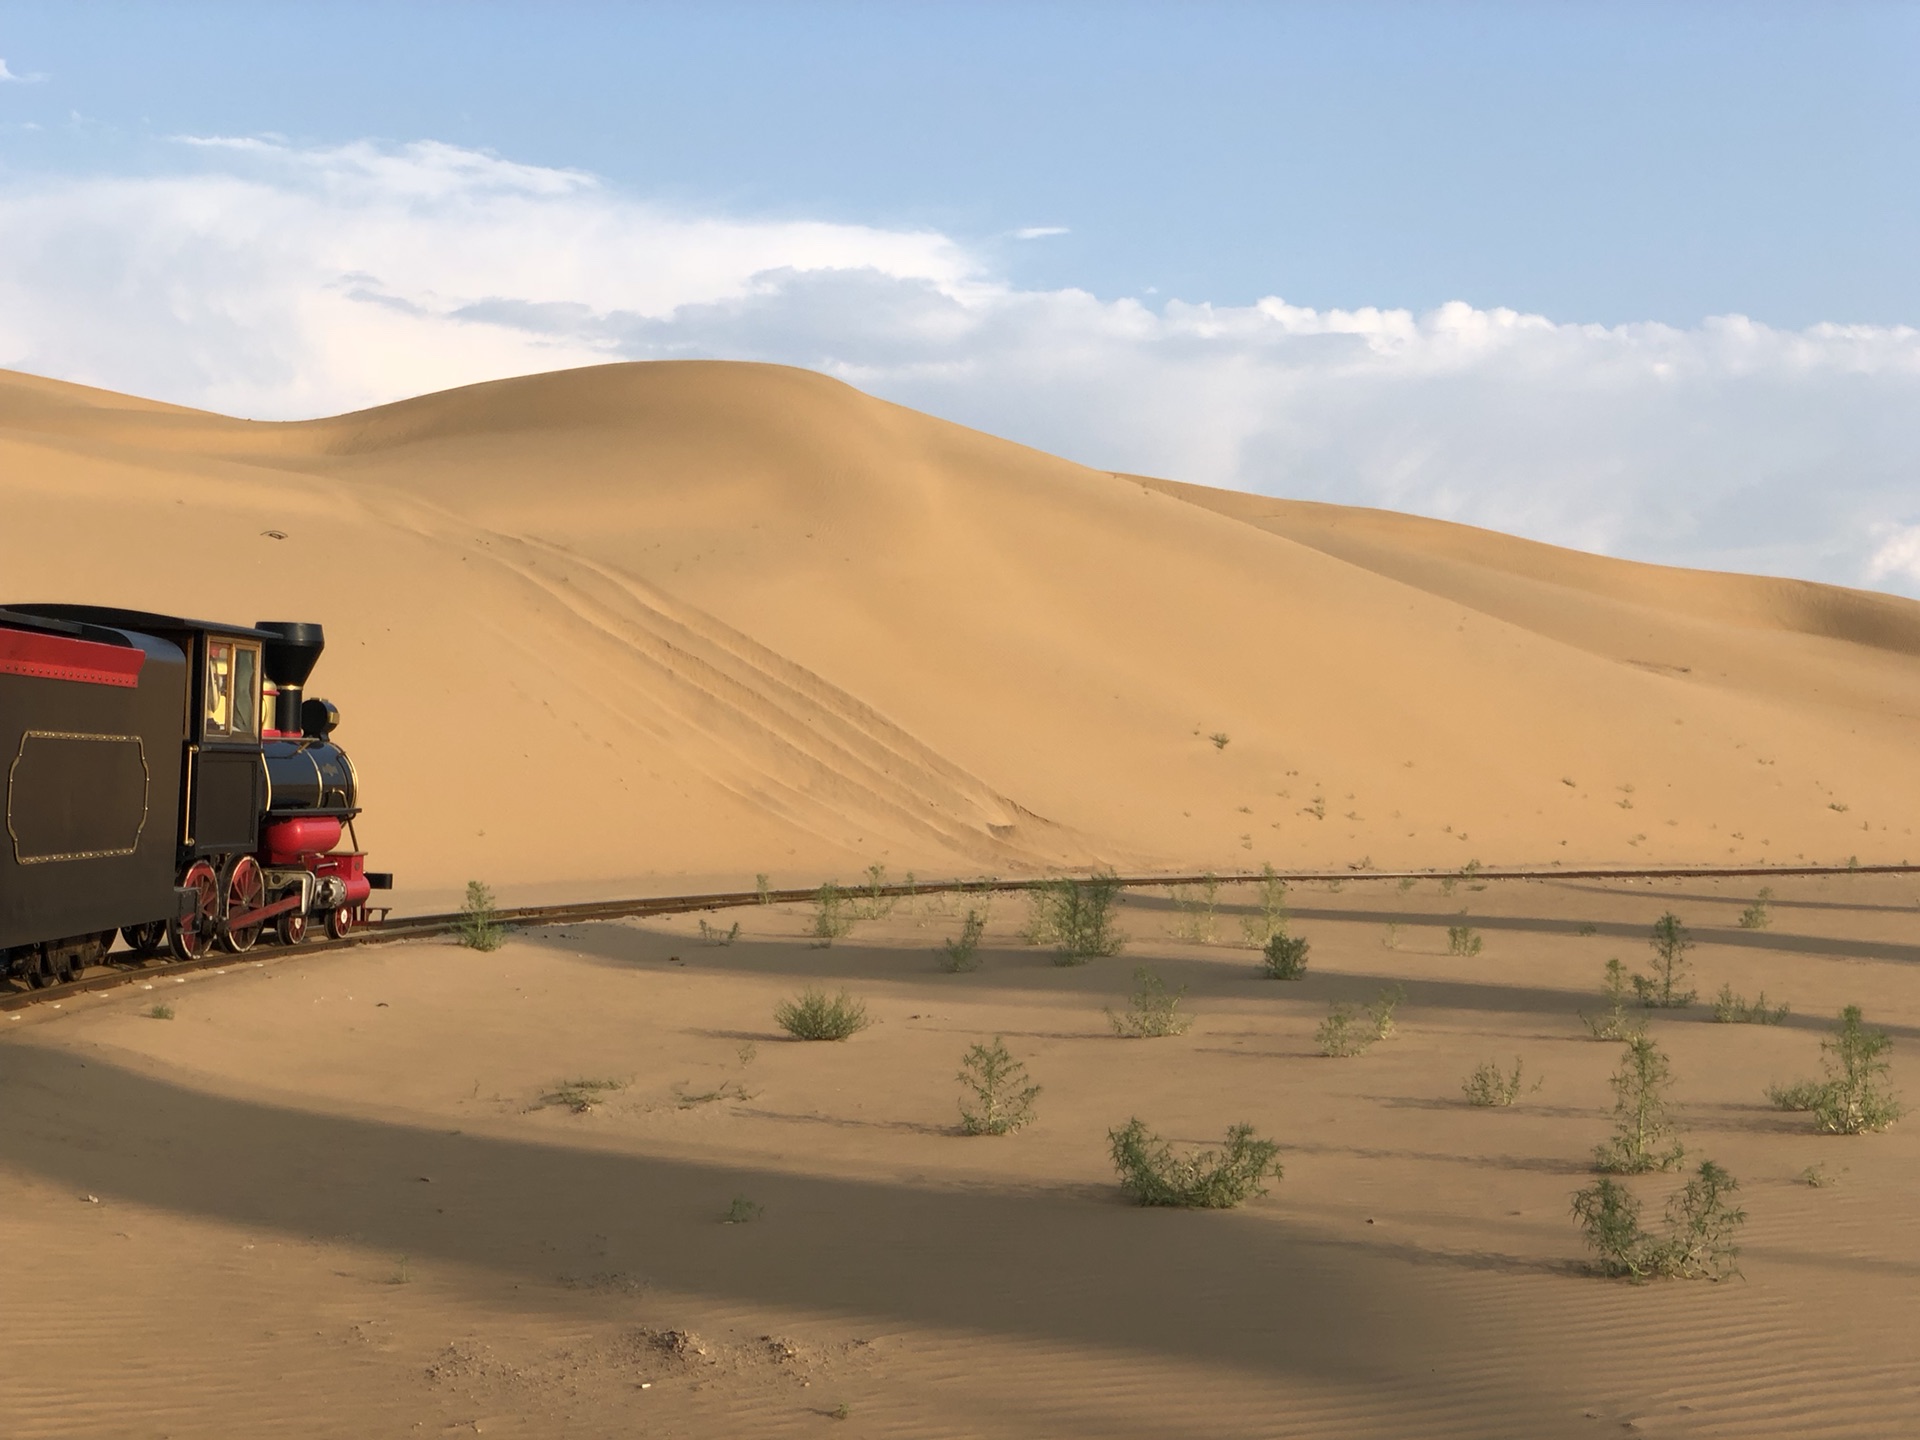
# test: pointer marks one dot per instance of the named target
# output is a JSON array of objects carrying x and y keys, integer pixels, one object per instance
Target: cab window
[
  {"x": 233, "y": 690},
  {"x": 219, "y": 686}
]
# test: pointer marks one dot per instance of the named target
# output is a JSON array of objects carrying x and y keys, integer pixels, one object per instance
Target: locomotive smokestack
[{"x": 288, "y": 662}]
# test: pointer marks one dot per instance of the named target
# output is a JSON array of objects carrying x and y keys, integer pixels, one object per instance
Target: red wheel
[
  {"x": 339, "y": 921},
  {"x": 291, "y": 927},
  {"x": 191, "y": 937},
  {"x": 246, "y": 889}
]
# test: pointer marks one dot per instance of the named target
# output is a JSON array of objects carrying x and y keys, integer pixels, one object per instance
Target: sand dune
[
  {"x": 646, "y": 626},
  {"x": 669, "y": 626}
]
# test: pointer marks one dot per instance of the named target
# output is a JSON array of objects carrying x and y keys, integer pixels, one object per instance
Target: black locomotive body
[{"x": 167, "y": 780}]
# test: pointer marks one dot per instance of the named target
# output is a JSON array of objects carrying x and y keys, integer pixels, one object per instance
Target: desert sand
[
  {"x": 663, "y": 628},
  {"x": 326, "y": 1198}
]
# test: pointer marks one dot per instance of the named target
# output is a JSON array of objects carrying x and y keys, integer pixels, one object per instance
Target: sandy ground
[
  {"x": 325, "y": 1199},
  {"x": 662, "y": 627}
]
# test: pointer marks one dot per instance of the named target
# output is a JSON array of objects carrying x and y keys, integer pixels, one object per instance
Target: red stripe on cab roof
[{"x": 56, "y": 657}]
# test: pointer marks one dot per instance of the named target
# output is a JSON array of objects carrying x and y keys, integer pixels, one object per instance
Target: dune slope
[{"x": 649, "y": 626}]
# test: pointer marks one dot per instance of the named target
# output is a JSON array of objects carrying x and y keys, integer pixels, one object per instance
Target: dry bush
[
  {"x": 1732, "y": 1009},
  {"x": 818, "y": 1016},
  {"x": 1153, "y": 1012},
  {"x": 959, "y": 956},
  {"x": 1854, "y": 1098},
  {"x": 1701, "y": 1225},
  {"x": 1272, "y": 917},
  {"x": 1003, "y": 1100},
  {"x": 479, "y": 927},
  {"x": 1207, "y": 1179},
  {"x": 1612, "y": 1023},
  {"x": 1490, "y": 1085},
  {"x": 1670, "y": 945},
  {"x": 1642, "y": 1117},
  {"x": 1076, "y": 917}
]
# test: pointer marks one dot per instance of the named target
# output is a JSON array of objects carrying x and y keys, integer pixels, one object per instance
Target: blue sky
[{"x": 1472, "y": 260}]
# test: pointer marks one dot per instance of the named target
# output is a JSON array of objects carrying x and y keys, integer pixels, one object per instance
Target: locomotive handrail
[{"x": 413, "y": 927}]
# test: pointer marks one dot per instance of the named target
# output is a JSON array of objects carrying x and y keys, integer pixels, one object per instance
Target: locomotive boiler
[{"x": 169, "y": 782}]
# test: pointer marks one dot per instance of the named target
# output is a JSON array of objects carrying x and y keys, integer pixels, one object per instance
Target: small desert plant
[
  {"x": 1732, "y": 1009},
  {"x": 1153, "y": 1011},
  {"x": 875, "y": 903},
  {"x": 1756, "y": 916},
  {"x": 714, "y": 935},
  {"x": 1817, "y": 1176},
  {"x": 1272, "y": 917},
  {"x": 1207, "y": 1179},
  {"x": 1670, "y": 945},
  {"x": 832, "y": 917},
  {"x": 1380, "y": 1012},
  {"x": 160, "y": 1012},
  {"x": 1490, "y": 1085},
  {"x": 402, "y": 1272},
  {"x": 1641, "y": 1113},
  {"x": 1462, "y": 940},
  {"x": 1586, "y": 927},
  {"x": 1612, "y": 1023},
  {"x": 1701, "y": 1224},
  {"x": 761, "y": 891},
  {"x": 1853, "y": 1098},
  {"x": 1076, "y": 916},
  {"x": 1219, "y": 739},
  {"x": 582, "y": 1095},
  {"x": 1285, "y": 957},
  {"x": 959, "y": 956},
  {"x": 1344, "y": 1033},
  {"x": 1003, "y": 1100},
  {"x": 1391, "y": 940},
  {"x": 742, "y": 1211},
  {"x": 1802, "y": 1096},
  {"x": 819, "y": 1016},
  {"x": 479, "y": 927},
  {"x": 1196, "y": 904}
]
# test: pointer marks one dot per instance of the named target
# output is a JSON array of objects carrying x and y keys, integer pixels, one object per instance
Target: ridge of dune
[{"x": 648, "y": 625}]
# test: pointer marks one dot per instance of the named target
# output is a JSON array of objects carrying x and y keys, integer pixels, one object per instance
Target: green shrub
[
  {"x": 959, "y": 956},
  {"x": 1207, "y": 1179},
  {"x": 1347, "y": 1031},
  {"x": 818, "y": 1016},
  {"x": 1003, "y": 1100},
  {"x": 1612, "y": 1023},
  {"x": 1076, "y": 917},
  {"x": 1153, "y": 1010},
  {"x": 1272, "y": 917},
  {"x": 875, "y": 903},
  {"x": 742, "y": 1212},
  {"x": 1285, "y": 957},
  {"x": 1853, "y": 1099},
  {"x": 714, "y": 935},
  {"x": 1462, "y": 940},
  {"x": 832, "y": 916},
  {"x": 1701, "y": 1225},
  {"x": 479, "y": 927},
  {"x": 1642, "y": 1117},
  {"x": 160, "y": 1012},
  {"x": 1732, "y": 1009},
  {"x": 761, "y": 891},
  {"x": 1195, "y": 905},
  {"x": 1490, "y": 1085},
  {"x": 1756, "y": 916},
  {"x": 1670, "y": 945}
]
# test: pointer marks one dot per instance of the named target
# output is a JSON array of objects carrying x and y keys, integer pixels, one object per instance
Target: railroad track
[{"x": 415, "y": 927}]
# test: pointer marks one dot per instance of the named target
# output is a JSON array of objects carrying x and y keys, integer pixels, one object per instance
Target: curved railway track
[{"x": 127, "y": 969}]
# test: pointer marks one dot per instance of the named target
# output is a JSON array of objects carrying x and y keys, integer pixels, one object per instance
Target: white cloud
[
  {"x": 7, "y": 76},
  {"x": 277, "y": 281},
  {"x": 1041, "y": 232}
]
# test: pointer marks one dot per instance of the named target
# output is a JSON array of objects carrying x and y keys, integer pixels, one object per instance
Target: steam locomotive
[{"x": 168, "y": 781}]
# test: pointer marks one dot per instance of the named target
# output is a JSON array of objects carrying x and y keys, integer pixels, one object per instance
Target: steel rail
[{"x": 415, "y": 927}]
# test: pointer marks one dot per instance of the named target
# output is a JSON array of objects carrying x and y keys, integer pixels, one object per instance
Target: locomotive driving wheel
[
  {"x": 339, "y": 921},
  {"x": 245, "y": 889},
  {"x": 191, "y": 936}
]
